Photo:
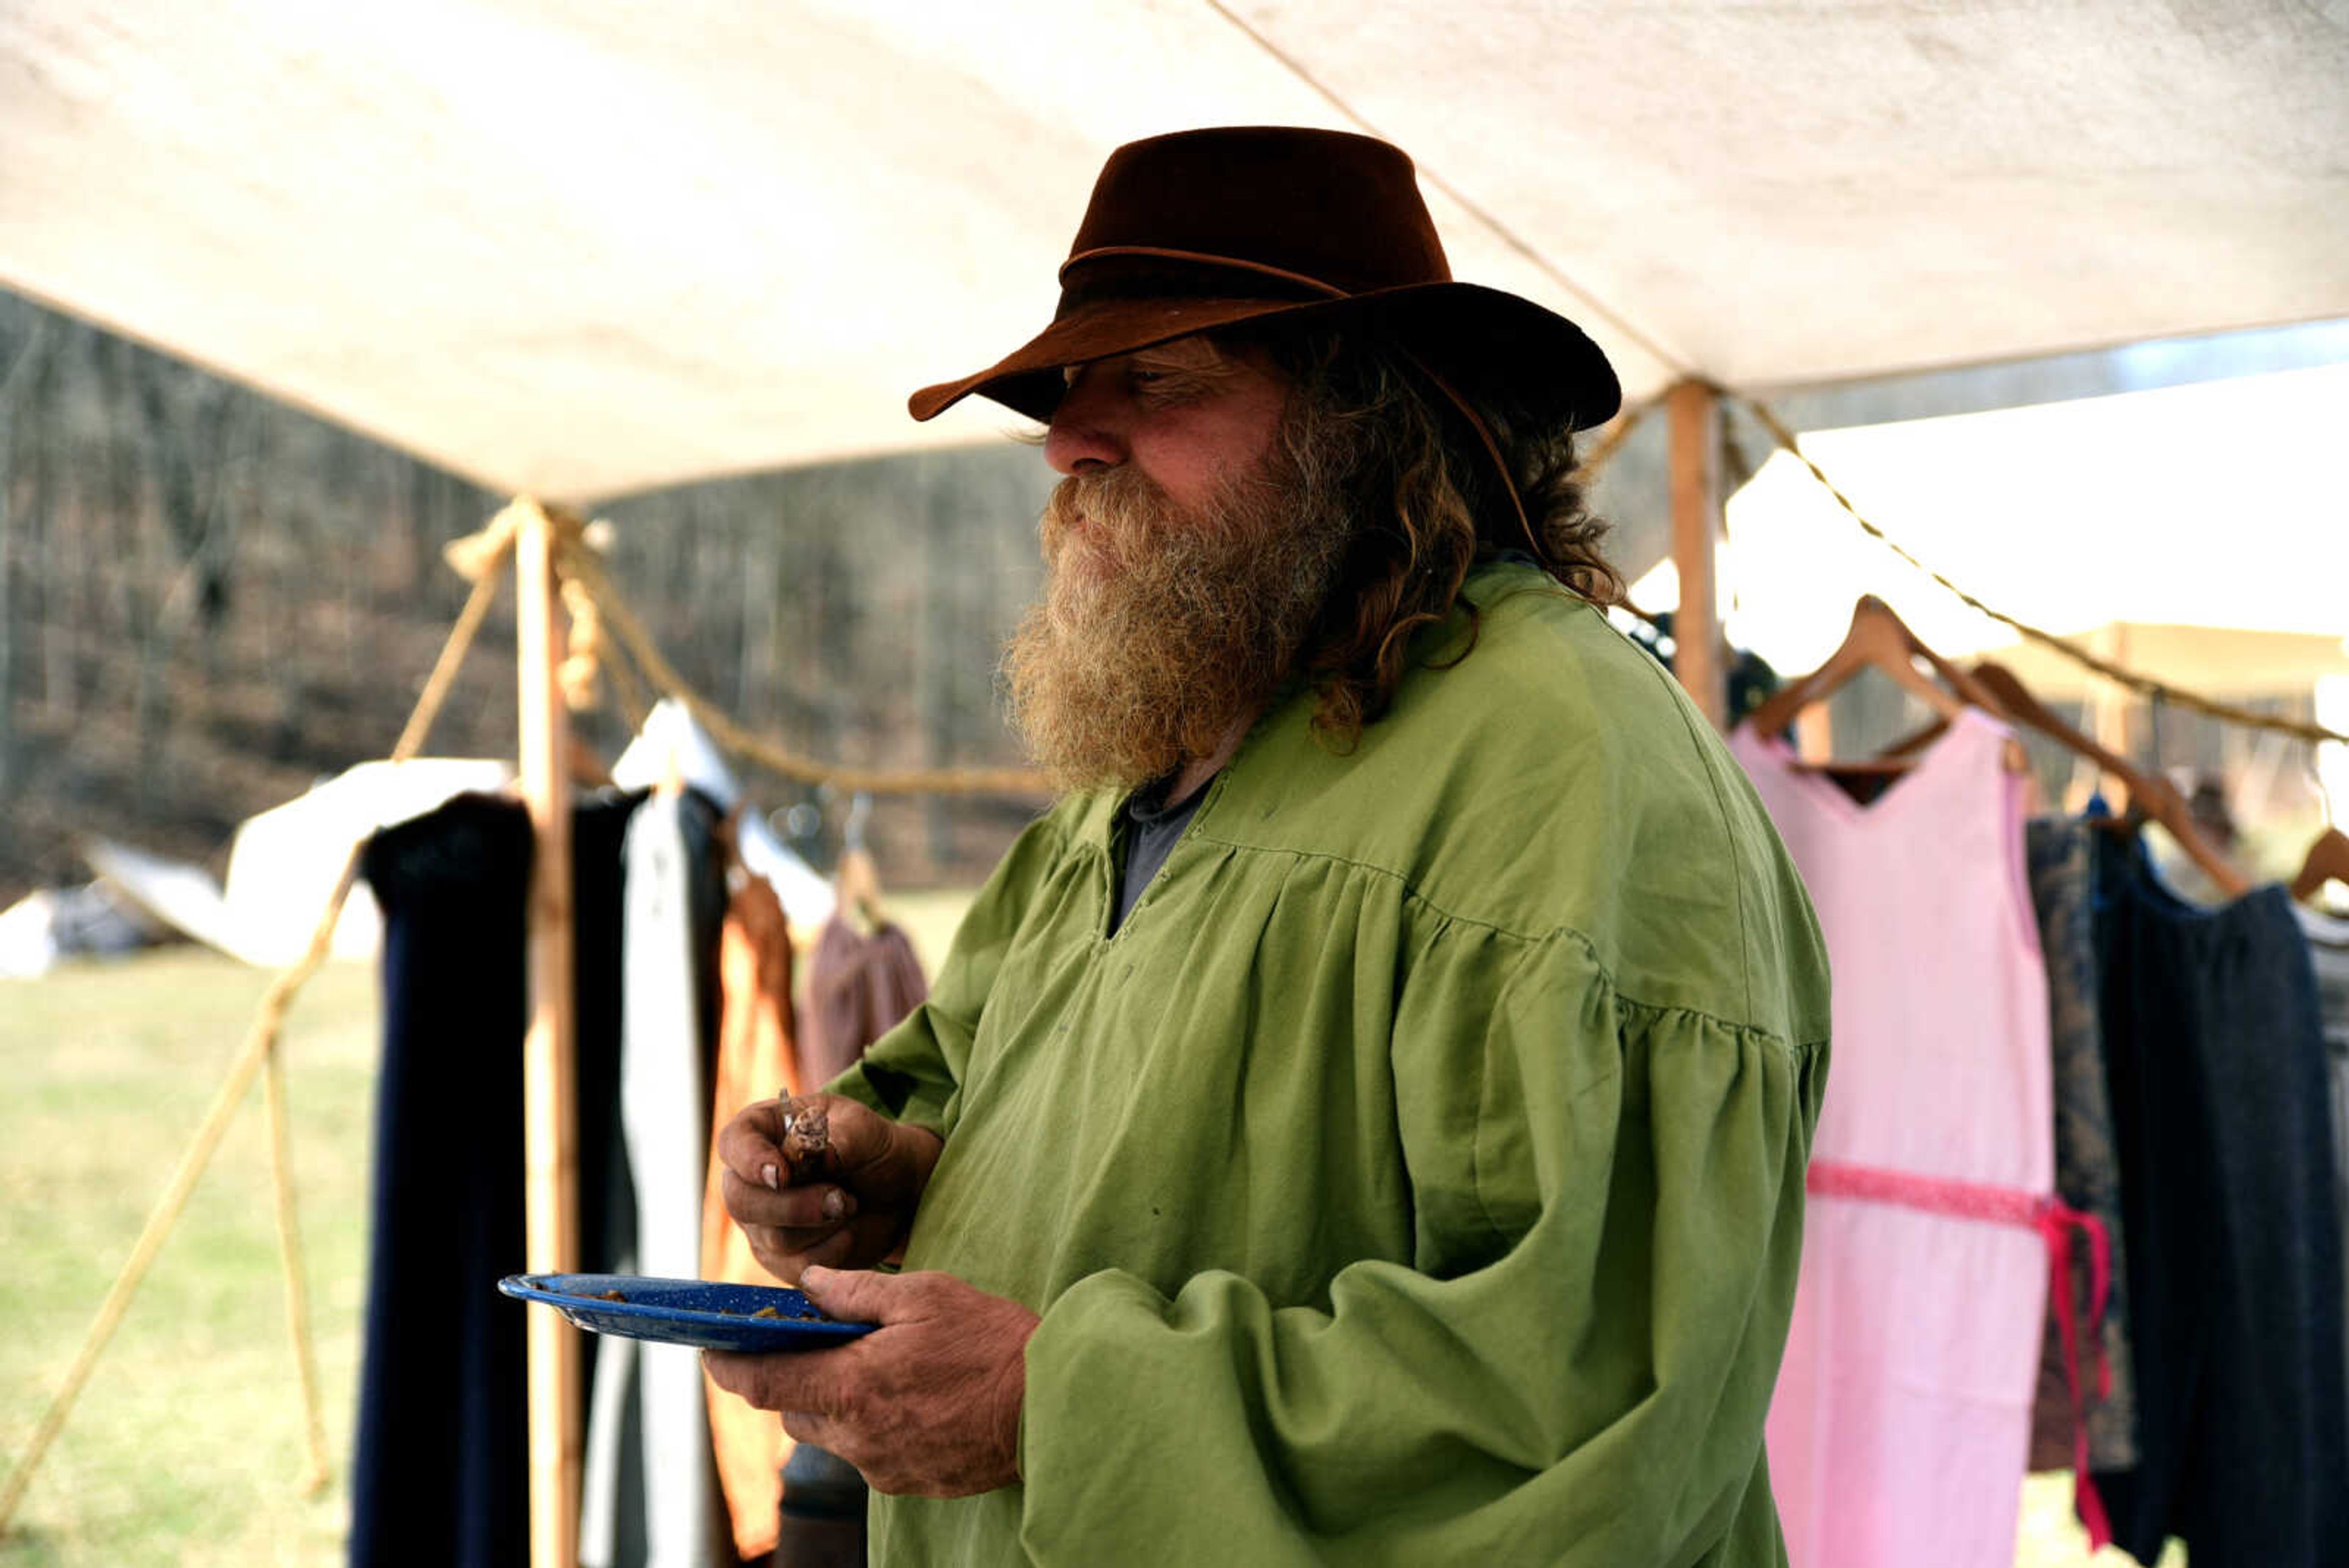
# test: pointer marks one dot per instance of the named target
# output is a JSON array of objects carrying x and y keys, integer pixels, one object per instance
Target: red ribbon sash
[{"x": 2055, "y": 1223}]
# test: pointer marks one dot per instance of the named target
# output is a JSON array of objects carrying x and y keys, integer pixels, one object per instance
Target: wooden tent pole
[
  {"x": 550, "y": 1163},
  {"x": 1695, "y": 412}
]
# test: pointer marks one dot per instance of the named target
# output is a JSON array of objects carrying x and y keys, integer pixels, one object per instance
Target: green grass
[
  {"x": 187, "y": 1443},
  {"x": 186, "y": 1446}
]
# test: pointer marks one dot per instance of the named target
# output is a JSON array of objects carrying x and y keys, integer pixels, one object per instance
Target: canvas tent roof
[{"x": 581, "y": 249}]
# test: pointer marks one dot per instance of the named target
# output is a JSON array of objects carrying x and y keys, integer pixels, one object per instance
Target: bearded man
[{"x": 1365, "y": 1119}]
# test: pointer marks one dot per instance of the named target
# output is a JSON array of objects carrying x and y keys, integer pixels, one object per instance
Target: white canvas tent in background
[{"x": 578, "y": 249}]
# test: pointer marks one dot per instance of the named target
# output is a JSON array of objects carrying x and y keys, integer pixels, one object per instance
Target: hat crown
[
  {"x": 1203, "y": 231},
  {"x": 1320, "y": 207}
]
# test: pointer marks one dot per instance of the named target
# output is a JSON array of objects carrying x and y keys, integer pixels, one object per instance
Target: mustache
[
  {"x": 1125, "y": 511},
  {"x": 1116, "y": 508}
]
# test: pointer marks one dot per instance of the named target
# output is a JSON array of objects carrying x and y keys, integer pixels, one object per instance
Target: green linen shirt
[{"x": 1416, "y": 1176}]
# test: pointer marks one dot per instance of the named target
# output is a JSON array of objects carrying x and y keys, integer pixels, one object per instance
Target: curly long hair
[{"x": 1367, "y": 416}]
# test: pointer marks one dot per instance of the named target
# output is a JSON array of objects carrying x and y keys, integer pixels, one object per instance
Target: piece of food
[
  {"x": 766, "y": 1312},
  {"x": 611, "y": 1296},
  {"x": 807, "y": 1135}
]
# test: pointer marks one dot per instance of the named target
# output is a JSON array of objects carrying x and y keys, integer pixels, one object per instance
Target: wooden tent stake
[
  {"x": 550, "y": 1163},
  {"x": 1695, "y": 412}
]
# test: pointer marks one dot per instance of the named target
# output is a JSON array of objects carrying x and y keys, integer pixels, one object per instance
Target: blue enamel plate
[{"x": 699, "y": 1313}]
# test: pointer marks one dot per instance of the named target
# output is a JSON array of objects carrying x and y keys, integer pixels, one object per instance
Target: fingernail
[
  {"x": 768, "y": 1171},
  {"x": 836, "y": 1204},
  {"x": 814, "y": 1277}
]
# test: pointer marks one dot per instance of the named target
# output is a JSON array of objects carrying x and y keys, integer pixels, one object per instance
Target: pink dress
[{"x": 1902, "y": 1424}]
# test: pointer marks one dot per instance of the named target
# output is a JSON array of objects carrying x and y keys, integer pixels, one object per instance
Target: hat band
[{"x": 1202, "y": 258}]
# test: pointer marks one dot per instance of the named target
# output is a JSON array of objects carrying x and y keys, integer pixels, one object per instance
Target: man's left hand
[{"x": 928, "y": 1404}]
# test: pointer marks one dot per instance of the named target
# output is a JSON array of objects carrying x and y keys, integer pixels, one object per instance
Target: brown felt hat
[{"x": 1209, "y": 228}]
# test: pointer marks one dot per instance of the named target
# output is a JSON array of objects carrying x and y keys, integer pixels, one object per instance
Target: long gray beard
[{"x": 1160, "y": 632}]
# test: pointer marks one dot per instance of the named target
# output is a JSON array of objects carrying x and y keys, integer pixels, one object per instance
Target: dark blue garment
[
  {"x": 439, "y": 1471},
  {"x": 2217, "y": 1071}
]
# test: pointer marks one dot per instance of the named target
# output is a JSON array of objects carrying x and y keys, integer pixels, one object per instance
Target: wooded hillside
[{"x": 208, "y": 600}]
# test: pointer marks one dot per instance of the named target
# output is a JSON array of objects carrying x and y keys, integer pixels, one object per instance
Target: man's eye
[{"x": 1162, "y": 386}]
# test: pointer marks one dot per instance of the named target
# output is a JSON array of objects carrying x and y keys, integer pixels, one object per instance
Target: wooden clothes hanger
[
  {"x": 2149, "y": 793},
  {"x": 2327, "y": 861},
  {"x": 857, "y": 888},
  {"x": 857, "y": 883},
  {"x": 1879, "y": 640}
]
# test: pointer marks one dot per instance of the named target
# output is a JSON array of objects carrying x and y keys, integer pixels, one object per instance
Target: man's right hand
[{"x": 852, "y": 1212}]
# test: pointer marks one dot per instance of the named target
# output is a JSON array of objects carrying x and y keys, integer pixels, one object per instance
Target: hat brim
[{"x": 1482, "y": 337}]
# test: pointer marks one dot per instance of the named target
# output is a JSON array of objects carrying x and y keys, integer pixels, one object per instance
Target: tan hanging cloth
[
  {"x": 859, "y": 986},
  {"x": 757, "y": 1060}
]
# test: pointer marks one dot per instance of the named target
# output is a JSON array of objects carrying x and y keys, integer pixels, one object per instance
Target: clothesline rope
[
  {"x": 2146, "y": 686},
  {"x": 484, "y": 553},
  {"x": 579, "y": 563}
]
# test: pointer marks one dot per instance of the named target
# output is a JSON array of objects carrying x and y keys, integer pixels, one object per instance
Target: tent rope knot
[
  {"x": 480, "y": 554},
  {"x": 583, "y": 664}
]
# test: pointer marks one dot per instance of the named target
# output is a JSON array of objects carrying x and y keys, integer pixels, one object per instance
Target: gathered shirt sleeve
[{"x": 1607, "y": 1199}]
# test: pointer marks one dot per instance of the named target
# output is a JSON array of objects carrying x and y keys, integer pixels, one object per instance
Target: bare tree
[{"x": 21, "y": 371}]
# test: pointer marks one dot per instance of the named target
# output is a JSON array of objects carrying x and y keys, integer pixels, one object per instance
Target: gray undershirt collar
[{"x": 1151, "y": 830}]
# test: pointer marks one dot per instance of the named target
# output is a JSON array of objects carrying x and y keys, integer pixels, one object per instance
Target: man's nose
[{"x": 1084, "y": 431}]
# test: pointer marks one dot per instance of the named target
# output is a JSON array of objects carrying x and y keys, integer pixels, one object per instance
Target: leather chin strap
[{"x": 1492, "y": 450}]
